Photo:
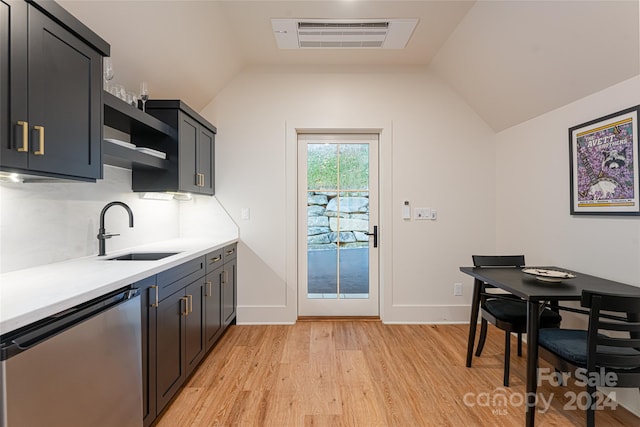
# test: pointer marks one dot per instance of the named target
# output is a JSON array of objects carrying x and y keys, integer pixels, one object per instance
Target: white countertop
[{"x": 32, "y": 294}]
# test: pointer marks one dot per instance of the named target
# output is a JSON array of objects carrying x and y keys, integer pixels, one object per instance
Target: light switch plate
[
  {"x": 245, "y": 213},
  {"x": 422, "y": 213}
]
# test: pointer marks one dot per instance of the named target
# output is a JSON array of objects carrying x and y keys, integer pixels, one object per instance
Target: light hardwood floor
[{"x": 350, "y": 373}]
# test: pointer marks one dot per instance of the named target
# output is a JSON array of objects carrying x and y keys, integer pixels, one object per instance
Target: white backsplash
[{"x": 42, "y": 223}]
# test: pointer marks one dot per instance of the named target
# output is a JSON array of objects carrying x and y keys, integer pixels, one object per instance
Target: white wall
[
  {"x": 532, "y": 193},
  {"x": 436, "y": 153},
  {"x": 42, "y": 223},
  {"x": 51, "y": 222}
]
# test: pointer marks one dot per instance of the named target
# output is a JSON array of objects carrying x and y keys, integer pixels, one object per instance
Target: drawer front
[
  {"x": 229, "y": 252},
  {"x": 214, "y": 260},
  {"x": 179, "y": 277}
]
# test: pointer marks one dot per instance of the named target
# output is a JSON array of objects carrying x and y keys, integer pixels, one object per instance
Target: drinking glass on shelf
[
  {"x": 119, "y": 91},
  {"x": 144, "y": 94},
  {"x": 107, "y": 69},
  {"x": 132, "y": 99}
]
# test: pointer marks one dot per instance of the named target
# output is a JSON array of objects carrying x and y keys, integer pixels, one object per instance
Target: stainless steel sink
[{"x": 142, "y": 256}]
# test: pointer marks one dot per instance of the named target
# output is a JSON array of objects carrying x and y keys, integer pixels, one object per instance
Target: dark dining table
[{"x": 536, "y": 293}]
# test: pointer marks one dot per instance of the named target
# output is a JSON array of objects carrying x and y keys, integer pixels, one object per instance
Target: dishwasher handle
[{"x": 47, "y": 328}]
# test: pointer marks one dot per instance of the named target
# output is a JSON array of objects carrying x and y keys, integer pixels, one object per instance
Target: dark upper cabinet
[
  {"x": 51, "y": 91},
  {"x": 4, "y": 75},
  {"x": 190, "y": 155}
]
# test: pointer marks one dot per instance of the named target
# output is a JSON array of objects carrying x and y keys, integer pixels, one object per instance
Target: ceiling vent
[{"x": 343, "y": 34}]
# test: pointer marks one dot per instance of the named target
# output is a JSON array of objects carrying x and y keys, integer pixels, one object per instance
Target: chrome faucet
[{"x": 102, "y": 234}]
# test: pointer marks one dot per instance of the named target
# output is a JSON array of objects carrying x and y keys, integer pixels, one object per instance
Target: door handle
[{"x": 375, "y": 236}]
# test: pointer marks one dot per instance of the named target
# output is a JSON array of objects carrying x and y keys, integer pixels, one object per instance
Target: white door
[{"x": 338, "y": 225}]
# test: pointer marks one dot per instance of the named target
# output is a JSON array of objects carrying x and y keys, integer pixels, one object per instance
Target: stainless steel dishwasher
[{"x": 81, "y": 367}]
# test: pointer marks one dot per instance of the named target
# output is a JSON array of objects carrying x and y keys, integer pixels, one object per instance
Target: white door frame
[
  {"x": 334, "y": 306},
  {"x": 385, "y": 131}
]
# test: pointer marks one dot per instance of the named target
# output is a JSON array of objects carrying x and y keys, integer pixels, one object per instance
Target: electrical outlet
[
  {"x": 457, "y": 289},
  {"x": 245, "y": 213}
]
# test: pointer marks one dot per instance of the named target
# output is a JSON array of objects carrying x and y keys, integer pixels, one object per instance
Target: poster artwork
[{"x": 605, "y": 165}]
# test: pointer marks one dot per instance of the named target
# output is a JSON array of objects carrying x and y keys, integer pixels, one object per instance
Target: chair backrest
[
  {"x": 498, "y": 260},
  {"x": 605, "y": 346}
]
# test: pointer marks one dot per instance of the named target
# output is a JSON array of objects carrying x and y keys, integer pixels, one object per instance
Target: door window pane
[
  {"x": 354, "y": 166},
  {"x": 322, "y": 166},
  {"x": 337, "y": 220}
]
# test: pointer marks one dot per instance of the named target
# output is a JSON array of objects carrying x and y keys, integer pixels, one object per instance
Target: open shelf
[
  {"x": 136, "y": 123},
  {"x": 128, "y": 119},
  {"x": 117, "y": 155}
]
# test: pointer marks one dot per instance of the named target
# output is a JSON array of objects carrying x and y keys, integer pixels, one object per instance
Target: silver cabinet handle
[{"x": 207, "y": 292}]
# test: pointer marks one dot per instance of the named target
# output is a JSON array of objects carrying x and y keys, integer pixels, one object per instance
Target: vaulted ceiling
[{"x": 511, "y": 60}]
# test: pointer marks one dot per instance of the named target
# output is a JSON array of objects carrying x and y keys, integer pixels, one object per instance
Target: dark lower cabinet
[
  {"x": 148, "y": 305},
  {"x": 170, "y": 357},
  {"x": 229, "y": 284},
  {"x": 194, "y": 345},
  {"x": 179, "y": 328},
  {"x": 229, "y": 292},
  {"x": 213, "y": 307},
  {"x": 51, "y": 86}
]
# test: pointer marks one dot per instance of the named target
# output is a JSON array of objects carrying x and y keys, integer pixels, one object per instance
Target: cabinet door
[
  {"x": 213, "y": 307},
  {"x": 206, "y": 160},
  {"x": 229, "y": 292},
  {"x": 194, "y": 324},
  {"x": 170, "y": 365},
  {"x": 188, "y": 163},
  {"x": 13, "y": 83},
  {"x": 148, "y": 306},
  {"x": 4, "y": 74},
  {"x": 65, "y": 104}
]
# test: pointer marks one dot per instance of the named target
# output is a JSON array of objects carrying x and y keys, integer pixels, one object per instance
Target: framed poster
[{"x": 603, "y": 157}]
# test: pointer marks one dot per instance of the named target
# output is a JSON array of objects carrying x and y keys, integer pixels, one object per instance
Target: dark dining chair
[
  {"x": 609, "y": 350},
  {"x": 506, "y": 311}
]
